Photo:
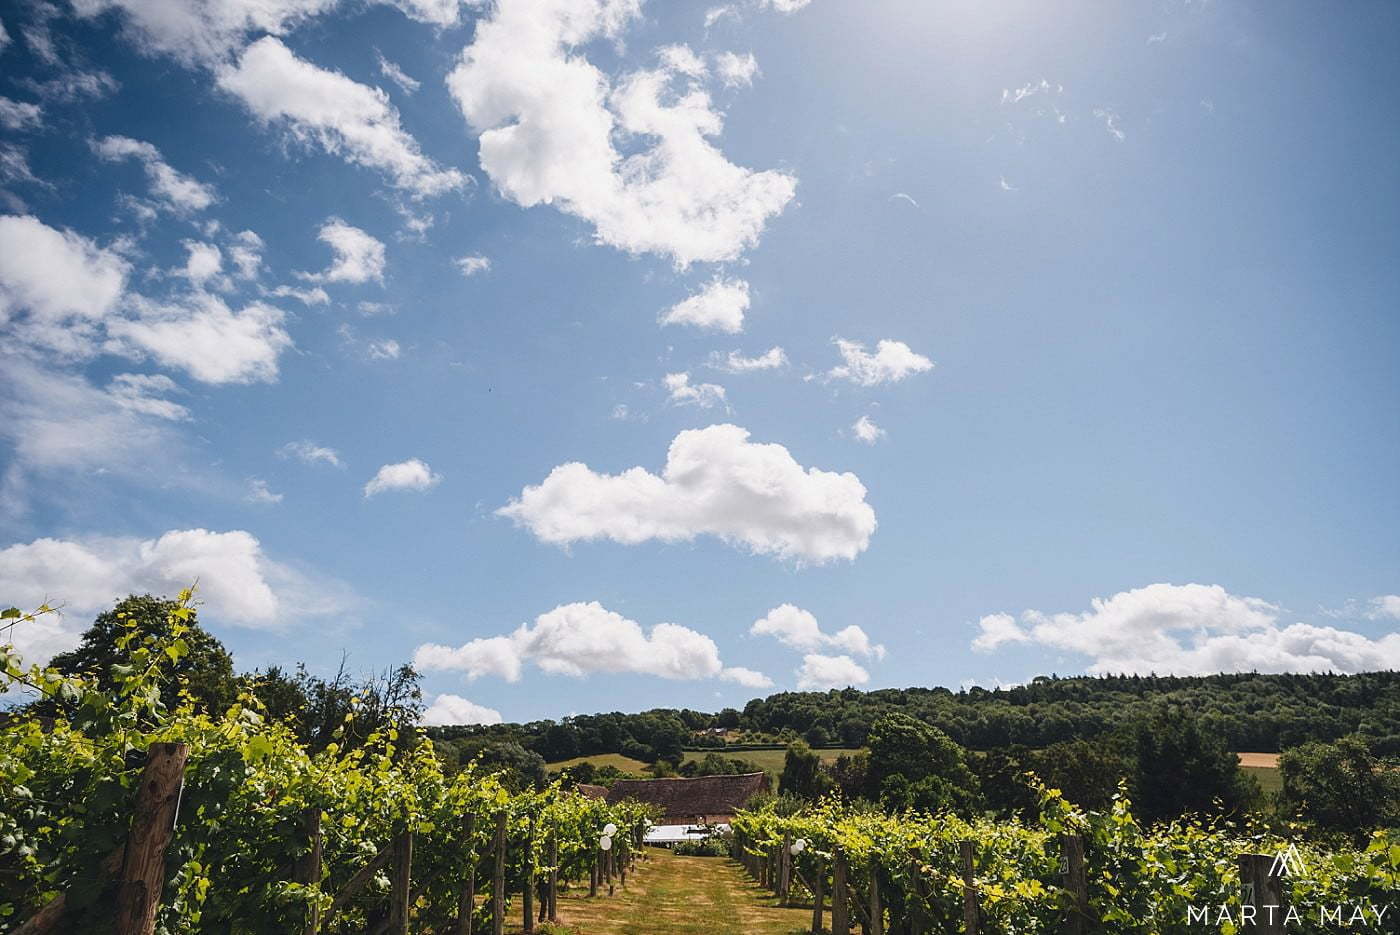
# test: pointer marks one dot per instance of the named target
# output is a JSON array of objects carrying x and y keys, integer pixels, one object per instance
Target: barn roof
[
  {"x": 592, "y": 791},
  {"x": 683, "y": 800}
]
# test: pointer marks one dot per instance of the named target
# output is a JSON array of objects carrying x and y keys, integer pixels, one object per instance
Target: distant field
[
  {"x": 624, "y": 763},
  {"x": 1263, "y": 767},
  {"x": 770, "y": 761}
]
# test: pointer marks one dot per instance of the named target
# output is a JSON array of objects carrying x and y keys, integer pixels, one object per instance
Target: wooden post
[
  {"x": 308, "y": 866},
  {"x": 1075, "y": 881},
  {"x": 528, "y": 895},
  {"x": 466, "y": 900},
  {"x": 818, "y": 882},
  {"x": 152, "y": 824},
  {"x": 498, "y": 878},
  {"x": 608, "y": 868},
  {"x": 840, "y": 907},
  {"x": 971, "y": 915},
  {"x": 785, "y": 869},
  {"x": 400, "y": 882},
  {"x": 877, "y": 908},
  {"x": 1263, "y": 903},
  {"x": 552, "y": 903},
  {"x": 593, "y": 875}
]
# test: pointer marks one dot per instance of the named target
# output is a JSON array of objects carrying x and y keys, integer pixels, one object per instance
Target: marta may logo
[{"x": 1265, "y": 902}]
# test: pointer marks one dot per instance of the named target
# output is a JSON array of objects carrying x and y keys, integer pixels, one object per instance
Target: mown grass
[
  {"x": 770, "y": 761},
  {"x": 670, "y": 895},
  {"x": 624, "y": 763}
]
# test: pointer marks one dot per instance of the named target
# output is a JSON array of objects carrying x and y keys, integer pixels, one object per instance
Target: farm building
[{"x": 705, "y": 800}]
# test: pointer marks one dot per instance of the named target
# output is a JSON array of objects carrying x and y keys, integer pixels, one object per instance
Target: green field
[
  {"x": 1270, "y": 779},
  {"x": 624, "y": 763},
  {"x": 770, "y": 761}
]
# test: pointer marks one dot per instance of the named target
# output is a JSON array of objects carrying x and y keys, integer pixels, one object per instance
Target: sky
[{"x": 609, "y": 354}]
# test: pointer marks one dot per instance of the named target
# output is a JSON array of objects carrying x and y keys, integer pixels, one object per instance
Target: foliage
[
  {"x": 916, "y": 766},
  {"x": 204, "y": 669},
  {"x": 1341, "y": 786},
  {"x": 67, "y": 784},
  {"x": 1141, "y": 880}
]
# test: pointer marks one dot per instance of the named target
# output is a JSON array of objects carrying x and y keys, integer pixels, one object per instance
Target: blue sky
[{"x": 381, "y": 320}]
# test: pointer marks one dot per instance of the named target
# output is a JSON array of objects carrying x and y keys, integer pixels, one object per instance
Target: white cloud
[
  {"x": 386, "y": 349},
  {"x": 396, "y": 74},
  {"x": 684, "y": 393},
  {"x": 716, "y": 13},
  {"x": 1190, "y": 629},
  {"x": 1007, "y": 186},
  {"x": 259, "y": 492},
  {"x": 775, "y": 358},
  {"x": 818, "y": 672},
  {"x": 716, "y": 482},
  {"x": 786, "y": 6},
  {"x": 682, "y": 60},
  {"x": 748, "y": 678},
  {"x": 1156, "y": 37},
  {"x": 56, "y": 287},
  {"x": 72, "y": 84},
  {"x": 204, "y": 262},
  {"x": 448, "y": 709},
  {"x": 1387, "y": 605},
  {"x": 17, "y": 115},
  {"x": 245, "y": 253},
  {"x": 4, "y": 37},
  {"x": 719, "y": 306},
  {"x": 891, "y": 362},
  {"x": 207, "y": 31},
  {"x": 359, "y": 257},
  {"x": 471, "y": 265},
  {"x": 1111, "y": 123},
  {"x": 176, "y": 190},
  {"x": 795, "y": 627},
  {"x": 581, "y": 639},
  {"x": 308, "y": 452},
  {"x": 342, "y": 116},
  {"x": 736, "y": 70},
  {"x": 1030, "y": 89},
  {"x": 201, "y": 335},
  {"x": 145, "y": 394},
  {"x": 904, "y": 196},
  {"x": 548, "y": 121},
  {"x": 313, "y": 296},
  {"x": 412, "y": 474},
  {"x": 238, "y": 584},
  {"x": 867, "y": 431}
]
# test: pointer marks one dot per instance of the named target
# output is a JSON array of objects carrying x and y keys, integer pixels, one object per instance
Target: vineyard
[
  {"x": 122, "y": 813},
  {"x": 1075, "y": 873},
  {"x": 193, "y": 823}
]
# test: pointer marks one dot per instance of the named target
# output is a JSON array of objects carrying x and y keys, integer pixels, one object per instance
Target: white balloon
[
  {"x": 798, "y": 846},
  {"x": 605, "y": 843},
  {"x": 610, "y": 829}
]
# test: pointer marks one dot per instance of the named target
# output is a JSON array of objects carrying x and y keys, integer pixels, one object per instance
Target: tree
[
  {"x": 1180, "y": 769},
  {"x": 205, "y": 670},
  {"x": 317, "y": 708},
  {"x": 802, "y": 774},
  {"x": 916, "y": 765},
  {"x": 1341, "y": 786}
]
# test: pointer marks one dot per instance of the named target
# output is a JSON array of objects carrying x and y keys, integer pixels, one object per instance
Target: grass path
[{"x": 683, "y": 896}]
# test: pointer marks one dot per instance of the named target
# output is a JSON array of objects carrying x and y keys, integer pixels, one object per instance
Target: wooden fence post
[
  {"x": 840, "y": 906},
  {"x": 877, "y": 908},
  {"x": 466, "y": 900},
  {"x": 527, "y": 901},
  {"x": 785, "y": 869},
  {"x": 1263, "y": 903},
  {"x": 498, "y": 878},
  {"x": 971, "y": 916},
  {"x": 552, "y": 902},
  {"x": 593, "y": 874},
  {"x": 818, "y": 883},
  {"x": 400, "y": 882},
  {"x": 308, "y": 865},
  {"x": 152, "y": 824},
  {"x": 1075, "y": 881}
]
